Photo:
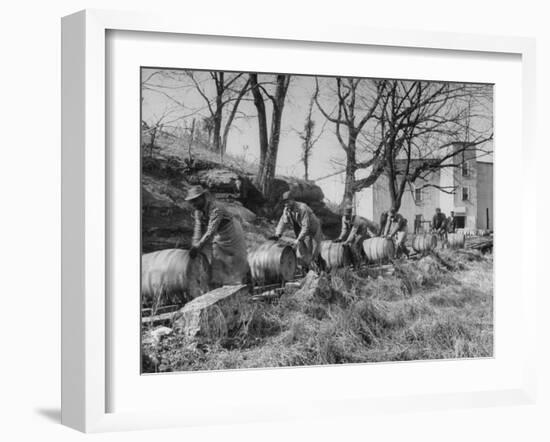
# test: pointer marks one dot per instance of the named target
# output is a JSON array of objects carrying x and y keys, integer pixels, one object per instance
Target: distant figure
[
  {"x": 355, "y": 230},
  {"x": 219, "y": 235},
  {"x": 307, "y": 229},
  {"x": 451, "y": 223},
  {"x": 394, "y": 226},
  {"x": 439, "y": 226},
  {"x": 439, "y": 222}
]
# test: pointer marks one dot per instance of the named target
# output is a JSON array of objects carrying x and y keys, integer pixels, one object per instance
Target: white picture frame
[{"x": 85, "y": 198}]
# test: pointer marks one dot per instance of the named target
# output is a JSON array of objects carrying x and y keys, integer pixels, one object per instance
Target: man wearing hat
[
  {"x": 219, "y": 235},
  {"x": 307, "y": 229},
  {"x": 394, "y": 226},
  {"x": 355, "y": 230},
  {"x": 439, "y": 223}
]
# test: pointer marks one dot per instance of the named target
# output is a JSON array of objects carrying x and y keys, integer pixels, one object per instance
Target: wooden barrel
[
  {"x": 272, "y": 262},
  {"x": 336, "y": 254},
  {"x": 171, "y": 273},
  {"x": 378, "y": 249},
  {"x": 424, "y": 243},
  {"x": 456, "y": 240}
]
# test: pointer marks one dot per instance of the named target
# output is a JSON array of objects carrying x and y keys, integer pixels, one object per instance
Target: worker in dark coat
[
  {"x": 355, "y": 230},
  {"x": 439, "y": 222},
  {"x": 451, "y": 223},
  {"x": 307, "y": 229},
  {"x": 394, "y": 226},
  {"x": 439, "y": 225},
  {"x": 219, "y": 235}
]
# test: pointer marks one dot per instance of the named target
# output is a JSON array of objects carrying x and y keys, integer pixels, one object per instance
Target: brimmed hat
[{"x": 195, "y": 192}]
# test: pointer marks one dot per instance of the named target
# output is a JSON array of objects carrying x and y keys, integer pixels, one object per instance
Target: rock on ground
[
  {"x": 154, "y": 336},
  {"x": 215, "y": 314},
  {"x": 314, "y": 287}
]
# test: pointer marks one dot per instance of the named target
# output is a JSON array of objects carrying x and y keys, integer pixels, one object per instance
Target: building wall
[
  {"x": 467, "y": 208},
  {"x": 479, "y": 181},
  {"x": 409, "y": 207},
  {"x": 364, "y": 205},
  {"x": 484, "y": 195},
  {"x": 447, "y": 182}
]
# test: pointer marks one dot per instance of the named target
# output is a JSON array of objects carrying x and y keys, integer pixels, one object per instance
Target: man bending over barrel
[
  {"x": 394, "y": 226},
  {"x": 307, "y": 229},
  {"x": 219, "y": 235},
  {"x": 355, "y": 230},
  {"x": 439, "y": 225}
]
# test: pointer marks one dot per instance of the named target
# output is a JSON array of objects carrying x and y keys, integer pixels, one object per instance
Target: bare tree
[
  {"x": 221, "y": 93},
  {"x": 356, "y": 102},
  {"x": 423, "y": 127},
  {"x": 208, "y": 128},
  {"x": 155, "y": 127},
  {"x": 229, "y": 89},
  {"x": 190, "y": 145},
  {"x": 269, "y": 143},
  {"x": 309, "y": 138}
]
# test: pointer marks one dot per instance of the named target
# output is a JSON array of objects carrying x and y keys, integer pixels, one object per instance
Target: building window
[
  {"x": 465, "y": 194},
  {"x": 417, "y": 195},
  {"x": 418, "y": 223},
  {"x": 465, "y": 169}
]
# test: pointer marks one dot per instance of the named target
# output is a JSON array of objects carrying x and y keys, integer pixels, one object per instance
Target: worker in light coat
[
  {"x": 394, "y": 226},
  {"x": 439, "y": 224},
  {"x": 355, "y": 230},
  {"x": 307, "y": 229},
  {"x": 219, "y": 235}
]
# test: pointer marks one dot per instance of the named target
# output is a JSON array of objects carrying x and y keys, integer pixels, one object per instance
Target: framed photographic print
[{"x": 290, "y": 224}]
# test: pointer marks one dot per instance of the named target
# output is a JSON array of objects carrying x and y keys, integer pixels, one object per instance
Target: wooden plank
[
  {"x": 163, "y": 309},
  {"x": 158, "y": 319}
]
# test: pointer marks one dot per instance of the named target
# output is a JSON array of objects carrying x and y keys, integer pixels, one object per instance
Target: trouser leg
[
  {"x": 357, "y": 250},
  {"x": 400, "y": 243}
]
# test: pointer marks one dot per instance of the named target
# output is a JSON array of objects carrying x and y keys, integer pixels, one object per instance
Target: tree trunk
[
  {"x": 267, "y": 175},
  {"x": 217, "y": 129},
  {"x": 262, "y": 123},
  {"x": 351, "y": 163},
  {"x": 396, "y": 200},
  {"x": 191, "y": 137},
  {"x": 231, "y": 117},
  {"x": 218, "y": 115}
]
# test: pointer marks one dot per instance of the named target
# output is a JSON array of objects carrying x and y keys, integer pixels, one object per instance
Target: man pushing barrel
[
  {"x": 355, "y": 230},
  {"x": 439, "y": 224},
  {"x": 219, "y": 235},
  {"x": 394, "y": 226},
  {"x": 307, "y": 229}
]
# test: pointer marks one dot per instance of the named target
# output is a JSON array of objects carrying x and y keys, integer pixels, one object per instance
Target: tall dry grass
[{"x": 424, "y": 311}]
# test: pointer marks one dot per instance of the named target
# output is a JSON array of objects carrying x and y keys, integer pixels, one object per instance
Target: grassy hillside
[{"x": 424, "y": 311}]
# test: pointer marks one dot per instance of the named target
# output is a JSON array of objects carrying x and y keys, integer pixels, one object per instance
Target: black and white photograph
[
  {"x": 238, "y": 221},
  {"x": 304, "y": 220}
]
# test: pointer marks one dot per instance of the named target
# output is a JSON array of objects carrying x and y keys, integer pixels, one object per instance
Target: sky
[{"x": 178, "y": 99}]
